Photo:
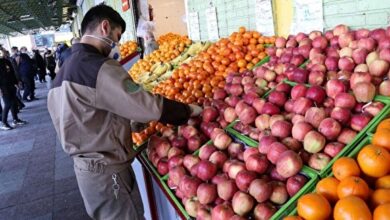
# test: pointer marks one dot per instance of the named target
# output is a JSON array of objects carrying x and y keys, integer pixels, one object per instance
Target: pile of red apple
[
  {"x": 224, "y": 178},
  {"x": 361, "y": 56}
]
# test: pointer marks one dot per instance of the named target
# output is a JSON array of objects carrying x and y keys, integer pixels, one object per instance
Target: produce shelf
[{"x": 370, "y": 128}]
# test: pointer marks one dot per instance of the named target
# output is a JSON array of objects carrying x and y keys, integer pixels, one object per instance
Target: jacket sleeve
[{"x": 117, "y": 93}]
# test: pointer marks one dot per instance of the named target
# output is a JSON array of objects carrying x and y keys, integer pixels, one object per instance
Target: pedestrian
[
  {"x": 20, "y": 84},
  {"x": 61, "y": 54},
  {"x": 50, "y": 63},
  {"x": 26, "y": 71},
  {"x": 40, "y": 63},
  {"x": 66, "y": 53},
  {"x": 91, "y": 104},
  {"x": 8, "y": 85}
]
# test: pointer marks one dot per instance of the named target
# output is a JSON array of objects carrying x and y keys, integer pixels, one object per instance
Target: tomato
[
  {"x": 353, "y": 186},
  {"x": 382, "y": 138},
  {"x": 374, "y": 161},
  {"x": 382, "y": 212},
  {"x": 380, "y": 197},
  {"x": 328, "y": 188},
  {"x": 313, "y": 206},
  {"x": 351, "y": 208},
  {"x": 383, "y": 182},
  {"x": 345, "y": 167}
]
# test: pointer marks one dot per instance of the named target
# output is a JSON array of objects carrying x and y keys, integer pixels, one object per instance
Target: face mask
[{"x": 114, "y": 52}]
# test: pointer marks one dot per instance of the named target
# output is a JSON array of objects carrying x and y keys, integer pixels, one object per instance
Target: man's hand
[{"x": 195, "y": 110}]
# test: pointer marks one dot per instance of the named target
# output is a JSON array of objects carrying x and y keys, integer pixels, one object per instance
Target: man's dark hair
[
  {"x": 97, "y": 14},
  {"x": 14, "y": 48}
]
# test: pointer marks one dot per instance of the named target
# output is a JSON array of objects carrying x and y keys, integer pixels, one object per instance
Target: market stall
[{"x": 275, "y": 130}]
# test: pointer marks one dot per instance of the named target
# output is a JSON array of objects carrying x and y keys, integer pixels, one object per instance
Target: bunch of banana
[{"x": 192, "y": 51}]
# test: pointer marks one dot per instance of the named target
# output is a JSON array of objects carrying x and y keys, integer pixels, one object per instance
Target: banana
[
  {"x": 206, "y": 45},
  {"x": 154, "y": 66}
]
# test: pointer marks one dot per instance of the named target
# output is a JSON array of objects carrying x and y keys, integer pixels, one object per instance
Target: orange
[
  {"x": 353, "y": 186},
  {"x": 385, "y": 124},
  {"x": 350, "y": 208},
  {"x": 328, "y": 188},
  {"x": 345, "y": 167},
  {"x": 382, "y": 212},
  {"x": 382, "y": 138},
  {"x": 383, "y": 182},
  {"x": 292, "y": 218},
  {"x": 313, "y": 206},
  {"x": 374, "y": 161},
  {"x": 380, "y": 197}
]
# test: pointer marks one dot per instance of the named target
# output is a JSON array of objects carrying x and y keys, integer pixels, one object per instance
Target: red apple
[
  {"x": 264, "y": 211},
  {"x": 162, "y": 167},
  {"x": 176, "y": 173},
  {"x": 189, "y": 131},
  {"x": 174, "y": 151},
  {"x": 281, "y": 129},
  {"x": 242, "y": 203},
  {"x": 346, "y": 136},
  {"x": 301, "y": 105},
  {"x": 192, "y": 205},
  {"x": 265, "y": 143},
  {"x": 189, "y": 160},
  {"x": 222, "y": 212},
  {"x": 277, "y": 98},
  {"x": 250, "y": 151},
  {"x": 219, "y": 178},
  {"x": 262, "y": 122},
  {"x": 342, "y": 115},
  {"x": 318, "y": 161},
  {"x": 206, "y": 170},
  {"x": 276, "y": 149},
  {"x": 244, "y": 179},
  {"x": 179, "y": 142},
  {"x": 206, "y": 150},
  {"x": 300, "y": 129},
  {"x": 234, "y": 149},
  {"x": 330, "y": 128},
  {"x": 175, "y": 161},
  {"x": 334, "y": 87},
  {"x": 189, "y": 185},
  {"x": 194, "y": 170},
  {"x": 203, "y": 213},
  {"x": 222, "y": 141},
  {"x": 345, "y": 100},
  {"x": 316, "y": 93},
  {"x": 298, "y": 91},
  {"x": 218, "y": 158},
  {"x": 260, "y": 189},
  {"x": 314, "y": 116},
  {"x": 257, "y": 163},
  {"x": 292, "y": 144},
  {"x": 275, "y": 175},
  {"x": 226, "y": 189},
  {"x": 279, "y": 193},
  {"x": 162, "y": 148},
  {"x": 288, "y": 164},
  {"x": 295, "y": 183},
  {"x": 206, "y": 193},
  {"x": 314, "y": 142},
  {"x": 333, "y": 148},
  {"x": 194, "y": 143},
  {"x": 235, "y": 168}
]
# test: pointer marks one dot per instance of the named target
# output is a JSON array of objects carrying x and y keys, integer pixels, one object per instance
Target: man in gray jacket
[{"x": 91, "y": 104}]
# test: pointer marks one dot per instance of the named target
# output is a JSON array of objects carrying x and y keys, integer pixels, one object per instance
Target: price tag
[
  {"x": 264, "y": 17},
  {"x": 212, "y": 23},
  {"x": 193, "y": 25}
]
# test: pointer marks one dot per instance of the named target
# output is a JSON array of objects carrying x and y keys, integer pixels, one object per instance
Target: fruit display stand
[{"x": 283, "y": 210}]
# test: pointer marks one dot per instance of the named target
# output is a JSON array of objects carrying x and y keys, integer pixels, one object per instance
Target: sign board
[
  {"x": 193, "y": 25},
  {"x": 46, "y": 40},
  {"x": 264, "y": 17},
  {"x": 212, "y": 23},
  {"x": 308, "y": 16}
]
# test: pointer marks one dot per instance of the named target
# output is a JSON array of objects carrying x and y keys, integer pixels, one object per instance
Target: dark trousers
[
  {"x": 9, "y": 99},
  {"x": 52, "y": 73},
  {"x": 41, "y": 75},
  {"x": 28, "y": 85}
]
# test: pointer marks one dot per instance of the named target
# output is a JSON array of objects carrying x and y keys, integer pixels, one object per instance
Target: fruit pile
[
  {"x": 140, "y": 137},
  {"x": 170, "y": 37},
  {"x": 359, "y": 58},
  {"x": 206, "y": 175},
  {"x": 196, "y": 80},
  {"x": 128, "y": 48},
  {"x": 359, "y": 187},
  {"x": 165, "y": 53}
]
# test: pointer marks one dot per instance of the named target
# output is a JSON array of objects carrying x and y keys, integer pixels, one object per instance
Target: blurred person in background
[
  {"x": 27, "y": 72},
  {"x": 50, "y": 63},
  {"x": 40, "y": 63},
  {"x": 66, "y": 53},
  {"x": 8, "y": 85}
]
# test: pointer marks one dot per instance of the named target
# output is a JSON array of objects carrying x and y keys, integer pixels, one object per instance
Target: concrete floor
[{"x": 37, "y": 180}]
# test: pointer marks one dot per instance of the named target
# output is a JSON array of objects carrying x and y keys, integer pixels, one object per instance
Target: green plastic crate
[
  {"x": 289, "y": 206},
  {"x": 386, "y": 100}
]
